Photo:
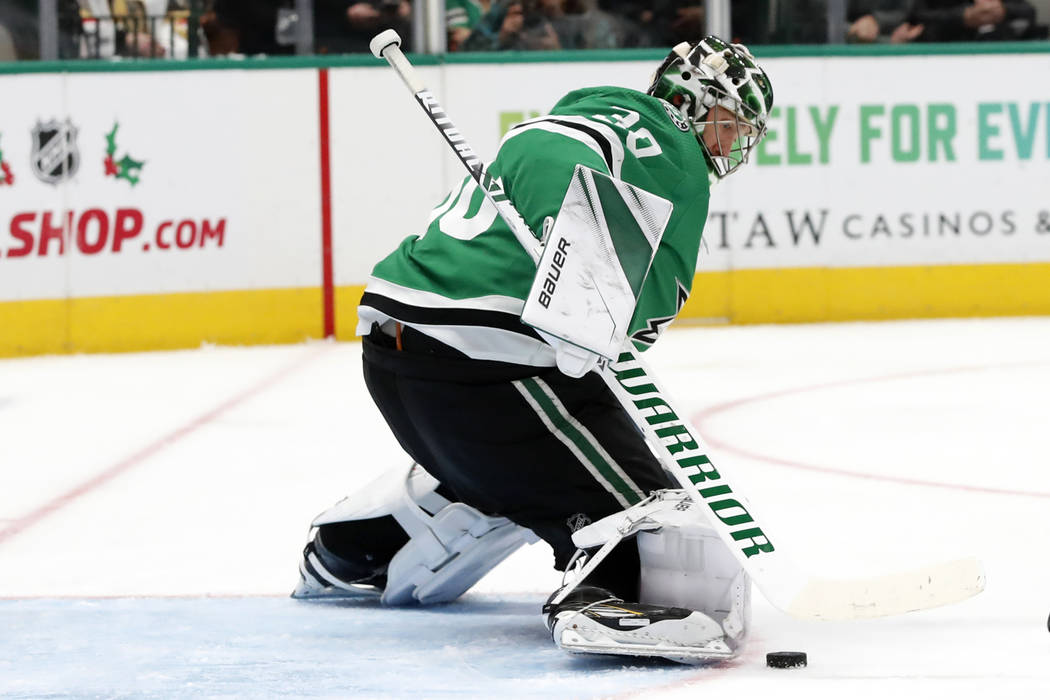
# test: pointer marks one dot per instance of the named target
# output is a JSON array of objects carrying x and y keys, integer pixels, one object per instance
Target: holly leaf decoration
[
  {"x": 111, "y": 140},
  {"x": 130, "y": 169}
]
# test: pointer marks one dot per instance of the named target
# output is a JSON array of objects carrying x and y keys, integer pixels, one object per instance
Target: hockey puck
[{"x": 786, "y": 659}]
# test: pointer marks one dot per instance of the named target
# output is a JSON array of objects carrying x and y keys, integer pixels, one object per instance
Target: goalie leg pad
[
  {"x": 450, "y": 545},
  {"x": 457, "y": 548},
  {"x": 690, "y": 585},
  {"x": 687, "y": 564}
]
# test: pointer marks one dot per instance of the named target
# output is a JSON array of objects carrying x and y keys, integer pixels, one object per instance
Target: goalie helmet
[{"x": 695, "y": 79}]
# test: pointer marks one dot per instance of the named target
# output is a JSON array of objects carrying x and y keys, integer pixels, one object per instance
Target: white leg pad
[
  {"x": 448, "y": 552},
  {"x": 688, "y": 566},
  {"x": 683, "y": 561},
  {"x": 458, "y": 546}
]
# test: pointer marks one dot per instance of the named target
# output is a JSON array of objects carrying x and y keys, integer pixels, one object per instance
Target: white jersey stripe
[
  {"x": 610, "y": 140},
  {"x": 476, "y": 342},
  {"x": 418, "y": 297},
  {"x": 479, "y": 342}
]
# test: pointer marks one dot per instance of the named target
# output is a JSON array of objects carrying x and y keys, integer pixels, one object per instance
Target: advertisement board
[
  {"x": 145, "y": 209},
  {"x": 136, "y": 188}
]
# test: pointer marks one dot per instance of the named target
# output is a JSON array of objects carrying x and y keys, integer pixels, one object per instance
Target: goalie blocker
[{"x": 596, "y": 258}]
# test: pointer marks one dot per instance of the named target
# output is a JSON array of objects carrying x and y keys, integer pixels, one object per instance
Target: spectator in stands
[
  {"x": 750, "y": 21},
  {"x": 347, "y": 26},
  {"x": 461, "y": 16},
  {"x": 249, "y": 28},
  {"x": 20, "y": 29},
  {"x": 779, "y": 21},
  {"x": 678, "y": 21},
  {"x": 882, "y": 21},
  {"x": 125, "y": 28},
  {"x": 19, "y": 19},
  {"x": 70, "y": 29},
  {"x": 106, "y": 33},
  {"x": 137, "y": 23},
  {"x": 976, "y": 20},
  {"x": 518, "y": 25},
  {"x": 7, "y": 45},
  {"x": 566, "y": 17},
  {"x": 603, "y": 27},
  {"x": 167, "y": 22},
  {"x": 657, "y": 22}
]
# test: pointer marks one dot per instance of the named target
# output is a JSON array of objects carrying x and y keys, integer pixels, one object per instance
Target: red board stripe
[{"x": 327, "y": 283}]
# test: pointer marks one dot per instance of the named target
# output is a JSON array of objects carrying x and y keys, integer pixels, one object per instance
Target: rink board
[
  {"x": 171, "y": 321},
  {"x": 193, "y": 205}
]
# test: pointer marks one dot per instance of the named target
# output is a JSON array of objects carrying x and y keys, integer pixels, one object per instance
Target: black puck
[{"x": 786, "y": 659}]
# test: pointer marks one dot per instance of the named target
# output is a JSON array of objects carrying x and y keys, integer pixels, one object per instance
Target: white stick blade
[{"x": 895, "y": 594}]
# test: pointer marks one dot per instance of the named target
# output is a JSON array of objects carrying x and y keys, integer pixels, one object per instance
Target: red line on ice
[
  {"x": 705, "y": 673},
  {"x": 701, "y": 416},
  {"x": 19, "y": 525}
]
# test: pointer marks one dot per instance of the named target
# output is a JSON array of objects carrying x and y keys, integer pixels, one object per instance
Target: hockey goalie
[{"x": 486, "y": 368}]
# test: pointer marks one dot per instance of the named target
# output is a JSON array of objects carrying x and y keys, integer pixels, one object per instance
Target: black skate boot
[{"x": 349, "y": 560}]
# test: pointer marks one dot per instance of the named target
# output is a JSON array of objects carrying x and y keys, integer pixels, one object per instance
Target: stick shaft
[
  {"x": 680, "y": 450},
  {"x": 492, "y": 187}
]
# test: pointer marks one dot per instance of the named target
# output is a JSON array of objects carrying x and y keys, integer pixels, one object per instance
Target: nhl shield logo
[{"x": 55, "y": 156}]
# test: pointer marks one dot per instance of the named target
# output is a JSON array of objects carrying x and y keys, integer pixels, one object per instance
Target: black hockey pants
[{"x": 547, "y": 451}]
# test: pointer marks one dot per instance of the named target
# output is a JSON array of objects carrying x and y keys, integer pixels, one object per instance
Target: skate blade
[
  {"x": 307, "y": 591},
  {"x": 716, "y": 650}
]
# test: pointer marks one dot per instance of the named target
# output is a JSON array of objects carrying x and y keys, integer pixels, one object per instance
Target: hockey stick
[
  {"x": 786, "y": 586},
  {"x": 677, "y": 446},
  {"x": 387, "y": 44}
]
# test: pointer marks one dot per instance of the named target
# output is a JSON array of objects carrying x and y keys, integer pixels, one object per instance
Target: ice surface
[
  {"x": 254, "y": 647},
  {"x": 152, "y": 509}
]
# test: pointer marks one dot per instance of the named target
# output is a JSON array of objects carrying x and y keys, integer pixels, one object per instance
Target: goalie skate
[
  {"x": 593, "y": 621},
  {"x": 316, "y": 581}
]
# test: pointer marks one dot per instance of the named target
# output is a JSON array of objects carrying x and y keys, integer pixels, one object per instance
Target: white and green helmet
[{"x": 694, "y": 79}]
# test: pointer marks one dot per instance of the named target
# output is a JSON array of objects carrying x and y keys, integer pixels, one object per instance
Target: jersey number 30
[{"x": 639, "y": 141}]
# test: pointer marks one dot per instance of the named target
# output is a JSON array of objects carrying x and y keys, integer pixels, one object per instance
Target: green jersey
[
  {"x": 462, "y": 13},
  {"x": 464, "y": 282}
]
